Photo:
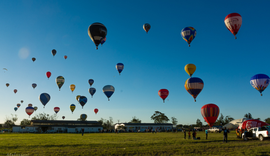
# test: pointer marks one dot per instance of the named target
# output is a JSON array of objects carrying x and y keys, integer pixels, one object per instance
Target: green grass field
[{"x": 128, "y": 144}]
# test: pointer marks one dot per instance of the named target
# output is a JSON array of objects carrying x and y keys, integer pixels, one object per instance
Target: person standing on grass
[
  {"x": 225, "y": 134},
  {"x": 188, "y": 134},
  {"x": 82, "y": 131},
  {"x": 206, "y": 134},
  {"x": 184, "y": 134}
]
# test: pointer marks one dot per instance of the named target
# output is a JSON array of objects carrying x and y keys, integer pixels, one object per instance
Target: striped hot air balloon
[
  {"x": 83, "y": 117},
  {"x": 92, "y": 91},
  {"x": 210, "y": 113},
  {"x": 56, "y": 109},
  {"x": 108, "y": 91},
  {"x": 259, "y": 82},
  {"x": 72, "y": 107},
  {"x": 194, "y": 86},
  {"x": 29, "y": 110}
]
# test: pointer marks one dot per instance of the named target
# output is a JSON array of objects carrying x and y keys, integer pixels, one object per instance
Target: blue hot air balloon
[
  {"x": 188, "y": 34},
  {"x": 259, "y": 82},
  {"x": 82, "y": 100},
  {"x": 92, "y": 91},
  {"x": 44, "y": 98},
  {"x": 120, "y": 67},
  {"x": 108, "y": 91},
  {"x": 34, "y": 85},
  {"x": 15, "y": 108},
  {"x": 90, "y": 81},
  {"x": 194, "y": 86},
  {"x": 83, "y": 117}
]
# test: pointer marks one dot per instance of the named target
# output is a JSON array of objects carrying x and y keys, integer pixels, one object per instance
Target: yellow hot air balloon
[
  {"x": 72, "y": 107},
  {"x": 190, "y": 69},
  {"x": 77, "y": 97},
  {"x": 72, "y": 87}
]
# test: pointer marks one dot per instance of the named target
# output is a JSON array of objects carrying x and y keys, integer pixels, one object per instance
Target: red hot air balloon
[
  {"x": 65, "y": 56},
  {"x": 163, "y": 93},
  {"x": 233, "y": 23},
  {"x": 96, "y": 110},
  {"x": 210, "y": 113},
  {"x": 48, "y": 74},
  {"x": 29, "y": 110},
  {"x": 56, "y": 109},
  {"x": 15, "y": 91}
]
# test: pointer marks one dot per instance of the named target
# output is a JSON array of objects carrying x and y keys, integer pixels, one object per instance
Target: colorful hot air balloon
[
  {"x": 259, "y": 82},
  {"x": 188, "y": 34},
  {"x": 33, "y": 59},
  {"x": 35, "y": 108},
  {"x": 163, "y": 93},
  {"x": 15, "y": 108},
  {"x": 63, "y": 117},
  {"x": 29, "y": 110},
  {"x": 72, "y": 87},
  {"x": 120, "y": 67},
  {"x": 108, "y": 91},
  {"x": 44, "y": 98},
  {"x": 30, "y": 105},
  {"x": 210, "y": 113},
  {"x": 60, "y": 80},
  {"x": 72, "y": 107},
  {"x": 56, "y": 109},
  {"x": 233, "y": 23},
  {"x": 21, "y": 101},
  {"x": 146, "y": 27},
  {"x": 65, "y": 56},
  {"x": 190, "y": 69},
  {"x": 48, "y": 74},
  {"x": 18, "y": 105},
  {"x": 83, "y": 117},
  {"x": 7, "y": 84},
  {"x": 92, "y": 91},
  {"x": 53, "y": 52},
  {"x": 96, "y": 110},
  {"x": 194, "y": 86},
  {"x": 34, "y": 85},
  {"x": 77, "y": 97},
  {"x": 82, "y": 100},
  {"x": 97, "y": 32},
  {"x": 15, "y": 91},
  {"x": 90, "y": 81}
]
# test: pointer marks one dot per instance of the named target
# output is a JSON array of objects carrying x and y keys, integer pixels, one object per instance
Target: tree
[
  {"x": 228, "y": 119},
  {"x": 159, "y": 117},
  {"x": 25, "y": 122},
  {"x": 198, "y": 123},
  {"x": 10, "y": 121},
  {"x": 135, "y": 120},
  {"x": 174, "y": 121},
  {"x": 106, "y": 124},
  {"x": 248, "y": 115},
  {"x": 267, "y": 120},
  {"x": 44, "y": 116},
  {"x": 220, "y": 120}
]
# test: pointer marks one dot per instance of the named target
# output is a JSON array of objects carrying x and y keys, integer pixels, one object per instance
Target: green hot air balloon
[
  {"x": 83, "y": 117},
  {"x": 60, "y": 80}
]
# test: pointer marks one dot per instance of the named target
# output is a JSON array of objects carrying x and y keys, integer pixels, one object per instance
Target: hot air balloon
[
  {"x": 83, "y": 117},
  {"x": 21, "y": 101},
  {"x": 65, "y": 56},
  {"x": 233, "y": 23},
  {"x": 72, "y": 87},
  {"x": 82, "y": 100},
  {"x": 103, "y": 41},
  {"x": 18, "y": 105},
  {"x": 72, "y": 107},
  {"x": 194, "y": 86},
  {"x": 60, "y": 80},
  {"x": 29, "y": 110},
  {"x": 259, "y": 82},
  {"x": 108, "y": 91},
  {"x": 35, "y": 108},
  {"x": 15, "y": 108},
  {"x": 188, "y": 34},
  {"x": 5, "y": 69},
  {"x": 33, "y": 59},
  {"x": 15, "y": 91},
  {"x": 63, "y": 117},
  {"x": 190, "y": 69},
  {"x": 210, "y": 113},
  {"x": 96, "y": 110},
  {"x": 97, "y": 32},
  {"x": 146, "y": 27},
  {"x": 120, "y": 67},
  {"x": 90, "y": 81},
  {"x": 34, "y": 85},
  {"x": 48, "y": 74},
  {"x": 30, "y": 105},
  {"x": 44, "y": 98},
  {"x": 53, "y": 52},
  {"x": 92, "y": 91},
  {"x": 163, "y": 93},
  {"x": 77, "y": 97},
  {"x": 56, "y": 109},
  {"x": 7, "y": 84}
]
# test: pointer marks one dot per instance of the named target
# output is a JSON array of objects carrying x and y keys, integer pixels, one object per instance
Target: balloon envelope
[
  {"x": 90, "y": 81},
  {"x": 233, "y": 23},
  {"x": 188, "y": 34},
  {"x": 34, "y": 85},
  {"x": 72, "y": 87},
  {"x": 83, "y": 117},
  {"x": 15, "y": 91},
  {"x": 56, "y": 109},
  {"x": 53, "y": 52},
  {"x": 35, "y": 108},
  {"x": 15, "y": 108},
  {"x": 252, "y": 123},
  {"x": 21, "y": 101},
  {"x": 30, "y": 105},
  {"x": 259, "y": 82},
  {"x": 120, "y": 67},
  {"x": 146, "y": 27},
  {"x": 96, "y": 110},
  {"x": 77, "y": 97},
  {"x": 18, "y": 105},
  {"x": 72, "y": 107},
  {"x": 29, "y": 110},
  {"x": 163, "y": 93},
  {"x": 33, "y": 59},
  {"x": 60, "y": 80},
  {"x": 48, "y": 74},
  {"x": 82, "y": 100},
  {"x": 92, "y": 91},
  {"x": 97, "y": 32},
  {"x": 210, "y": 113},
  {"x": 44, "y": 98},
  {"x": 108, "y": 91},
  {"x": 63, "y": 117},
  {"x": 194, "y": 86},
  {"x": 65, "y": 56},
  {"x": 7, "y": 84},
  {"x": 190, "y": 69}
]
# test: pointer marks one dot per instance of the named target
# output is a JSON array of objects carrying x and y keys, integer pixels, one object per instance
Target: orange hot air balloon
[
  {"x": 96, "y": 110},
  {"x": 15, "y": 91},
  {"x": 65, "y": 56},
  {"x": 7, "y": 84},
  {"x": 163, "y": 93},
  {"x": 210, "y": 113}
]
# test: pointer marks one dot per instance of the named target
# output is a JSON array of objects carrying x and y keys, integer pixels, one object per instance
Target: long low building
[
  {"x": 142, "y": 127},
  {"x": 60, "y": 126}
]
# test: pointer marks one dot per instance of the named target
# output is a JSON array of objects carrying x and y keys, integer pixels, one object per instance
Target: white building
[{"x": 142, "y": 127}]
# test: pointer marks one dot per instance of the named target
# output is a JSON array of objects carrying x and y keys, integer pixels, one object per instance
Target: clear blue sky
[{"x": 152, "y": 61}]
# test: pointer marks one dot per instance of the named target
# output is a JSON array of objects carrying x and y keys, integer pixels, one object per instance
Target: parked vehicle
[
  {"x": 214, "y": 130},
  {"x": 260, "y": 133}
]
